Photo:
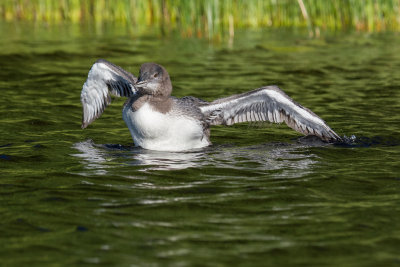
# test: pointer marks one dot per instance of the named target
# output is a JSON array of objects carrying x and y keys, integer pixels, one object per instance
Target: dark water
[{"x": 259, "y": 196}]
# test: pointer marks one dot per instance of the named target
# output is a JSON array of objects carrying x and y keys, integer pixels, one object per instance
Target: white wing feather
[{"x": 104, "y": 79}]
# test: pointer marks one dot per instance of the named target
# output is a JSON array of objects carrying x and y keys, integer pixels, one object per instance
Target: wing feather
[
  {"x": 104, "y": 79},
  {"x": 263, "y": 116},
  {"x": 271, "y": 104}
]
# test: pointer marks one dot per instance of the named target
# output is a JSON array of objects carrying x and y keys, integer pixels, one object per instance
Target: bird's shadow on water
[
  {"x": 102, "y": 158},
  {"x": 353, "y": 141}
]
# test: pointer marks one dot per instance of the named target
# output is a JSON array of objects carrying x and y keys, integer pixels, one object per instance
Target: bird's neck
[{"x": 159, "y": 103}]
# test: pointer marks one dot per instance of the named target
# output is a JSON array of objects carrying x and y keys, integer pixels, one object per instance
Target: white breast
[{"x": 165, "y": 132}]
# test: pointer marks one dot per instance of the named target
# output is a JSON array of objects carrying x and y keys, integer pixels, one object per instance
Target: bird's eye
[{"x": 155, "y": 75}]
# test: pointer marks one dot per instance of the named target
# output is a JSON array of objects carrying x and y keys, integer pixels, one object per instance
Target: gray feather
[{"x": 268, "y": 104}]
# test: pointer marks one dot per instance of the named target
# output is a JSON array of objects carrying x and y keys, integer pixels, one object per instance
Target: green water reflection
[{"x": 258, "y": 196}]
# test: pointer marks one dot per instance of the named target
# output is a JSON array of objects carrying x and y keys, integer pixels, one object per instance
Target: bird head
[{"x": 154, "y": 80}]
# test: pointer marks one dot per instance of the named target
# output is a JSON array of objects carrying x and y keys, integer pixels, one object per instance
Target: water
[{"x": 261, "y": 195}]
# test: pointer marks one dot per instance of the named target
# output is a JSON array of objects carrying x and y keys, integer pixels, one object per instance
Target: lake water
[{"x": 260, "y": 195}]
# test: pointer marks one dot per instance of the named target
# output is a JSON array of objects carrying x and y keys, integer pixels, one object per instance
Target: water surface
[{"x": 260, "y": 195}]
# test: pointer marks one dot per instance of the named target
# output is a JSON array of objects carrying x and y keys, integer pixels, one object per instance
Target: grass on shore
[{"x": 212, "y": 18}]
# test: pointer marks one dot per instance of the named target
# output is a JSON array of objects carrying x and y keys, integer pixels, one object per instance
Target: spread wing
[
  {"x": 104, "y": 79},
  {"x": 267, "y": 104}
]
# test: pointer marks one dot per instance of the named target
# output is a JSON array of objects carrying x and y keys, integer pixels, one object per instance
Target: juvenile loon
[{"x": 159, "y": 121}]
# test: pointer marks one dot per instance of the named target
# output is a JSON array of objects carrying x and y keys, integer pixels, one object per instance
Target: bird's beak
[{"x": 140, "y": 83}]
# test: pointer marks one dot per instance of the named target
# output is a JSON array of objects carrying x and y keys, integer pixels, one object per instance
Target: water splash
[{"x": 363, "y": 141}]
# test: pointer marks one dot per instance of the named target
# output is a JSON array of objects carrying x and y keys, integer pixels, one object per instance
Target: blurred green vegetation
[{"x": 212, "y": 18}]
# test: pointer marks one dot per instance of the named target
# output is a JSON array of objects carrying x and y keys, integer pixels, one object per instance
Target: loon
[{"x": 159, "y": 121}]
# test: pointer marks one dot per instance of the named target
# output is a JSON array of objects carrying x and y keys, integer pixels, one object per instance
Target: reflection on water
[
  {"x": 95, "y": 158},
  {"x": 293, "y": 158}
]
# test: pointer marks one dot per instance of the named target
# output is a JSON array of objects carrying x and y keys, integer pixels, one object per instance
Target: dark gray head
[{"x": 154, "y": 80}]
